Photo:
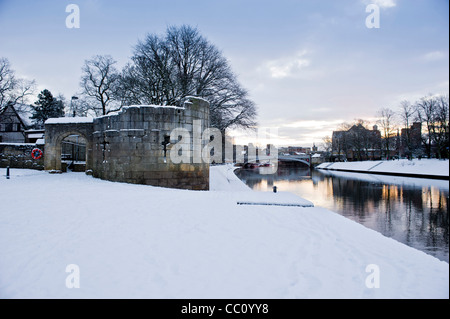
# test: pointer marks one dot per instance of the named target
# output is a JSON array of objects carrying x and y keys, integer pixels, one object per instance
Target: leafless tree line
[
  {"x": 164, "y": 70},
  {"x": 430, "y": 113}
]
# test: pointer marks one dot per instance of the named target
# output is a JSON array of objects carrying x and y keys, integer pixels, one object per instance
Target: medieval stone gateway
[
  {"x": 56, "y": 130},
  {"x": 133, "y": 146}
]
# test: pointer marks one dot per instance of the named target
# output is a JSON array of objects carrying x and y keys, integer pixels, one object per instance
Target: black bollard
[
  {"x": 275, "y": 189},
  {"x": 7, "y": 172}
]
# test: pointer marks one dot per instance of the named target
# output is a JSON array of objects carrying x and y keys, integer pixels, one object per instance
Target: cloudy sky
[{"x": 308, "y": 64}]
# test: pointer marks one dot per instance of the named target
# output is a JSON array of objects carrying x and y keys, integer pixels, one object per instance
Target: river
[{"x": 413, "y": 211}]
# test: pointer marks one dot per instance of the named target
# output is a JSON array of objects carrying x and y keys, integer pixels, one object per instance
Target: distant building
[
  {"x": 13, "y": 125},
  {"x": 356, "y": 144},
  {"x": 298, "y": 150},
  {"x": 317, "y": 158}
]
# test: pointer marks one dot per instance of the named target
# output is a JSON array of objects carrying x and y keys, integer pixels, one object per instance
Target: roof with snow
[{"x": 23, "y": 111}]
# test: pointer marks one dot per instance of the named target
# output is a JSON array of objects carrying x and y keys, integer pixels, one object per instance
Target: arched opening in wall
[{"x": 73, "y": 153}]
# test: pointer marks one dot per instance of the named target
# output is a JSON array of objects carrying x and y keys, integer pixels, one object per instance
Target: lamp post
[{"x": 71, "y": 104}]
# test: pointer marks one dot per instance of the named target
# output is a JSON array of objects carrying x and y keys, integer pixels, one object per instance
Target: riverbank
[
  {"x": 425, "y": 168},
  {"x": 136, "y": 241},
  {"x": 413, "y": 211}
]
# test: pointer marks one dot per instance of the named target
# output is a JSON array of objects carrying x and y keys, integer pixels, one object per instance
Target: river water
[{"x": 413, "y": 211}]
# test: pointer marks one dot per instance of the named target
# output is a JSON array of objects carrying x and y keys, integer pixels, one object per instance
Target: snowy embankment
[
  {"x": 415, "y": 168},
  {"x": 135, "y": 241}
]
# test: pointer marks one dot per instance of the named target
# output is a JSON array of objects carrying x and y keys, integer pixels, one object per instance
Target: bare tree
[
  {"x": 407, "y": 113},
  {"x": 440, "y": 131},
  {"x": 345, "y": 145},
  {"x": 327, "y": 146},
  {"x": 426, "y": 109},
  {"x": 166, "y": 69},
  {"x": 12, "y": 89},
  {"x": 100, "y": 81},
  {"x": 364, "y": 140},
  {"x": 85, "y": 106},
  {"x": 387, "y": 124}
]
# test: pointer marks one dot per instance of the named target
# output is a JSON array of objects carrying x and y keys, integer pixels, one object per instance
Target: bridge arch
[{"x": 301, "y": 159}]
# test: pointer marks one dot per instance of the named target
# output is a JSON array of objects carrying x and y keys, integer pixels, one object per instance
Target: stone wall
[
  {"x": 127, "y": 147},
  {"x": 19, "y": 156}
]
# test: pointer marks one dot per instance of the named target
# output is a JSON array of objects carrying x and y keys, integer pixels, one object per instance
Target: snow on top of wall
[
  {"x": 197, "y": 98},
  {"x": 153, "y": 106},
  {"x": 141, "y": 106},
  {"x": 36, "y": 135},
  {"x": 17, "y": 144},
  {"x": 70, "y": 120}
]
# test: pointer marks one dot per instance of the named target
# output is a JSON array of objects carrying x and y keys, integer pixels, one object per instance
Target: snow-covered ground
[
  {"x": 416, "y": 167},
  {"x": 136, "y": 241}
]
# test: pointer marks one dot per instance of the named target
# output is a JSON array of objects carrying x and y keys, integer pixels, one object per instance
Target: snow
[
  {"x": 123, "y": 109},
  {"x": 134, "y": 131},
  {"x": 417, "y": 167},
  {"x": 196, "y": 98},
  {"x": 147, "y": 106},
  {"x": 154, "y": 106},
  {"x": 275, "y": 199},
  {"x": 69, "y": 120},
  {"x": 224, "y": 179},
  {"x": 18, "y": 144},
  {"x": 26, "y": 116},
  {"x": 387, "y": 179},
  {"x": 137, "y": 241},
  {"x": 36, "y": 135}
]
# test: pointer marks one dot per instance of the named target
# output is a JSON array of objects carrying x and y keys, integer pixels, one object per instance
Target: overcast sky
[{"x": 308, "y": 64}]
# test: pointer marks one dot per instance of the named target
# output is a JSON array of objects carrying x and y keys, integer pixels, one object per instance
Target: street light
[{"x": 71, "y": 104}]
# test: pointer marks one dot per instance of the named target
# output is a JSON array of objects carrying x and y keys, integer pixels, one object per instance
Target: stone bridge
[{"x": 305, "y": 159}]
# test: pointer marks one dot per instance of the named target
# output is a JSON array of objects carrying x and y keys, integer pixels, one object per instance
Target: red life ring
[{"x": 36, "y": 154}]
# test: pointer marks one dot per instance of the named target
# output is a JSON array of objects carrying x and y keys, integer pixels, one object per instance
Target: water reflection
[{"x": 411, "y": 210}]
